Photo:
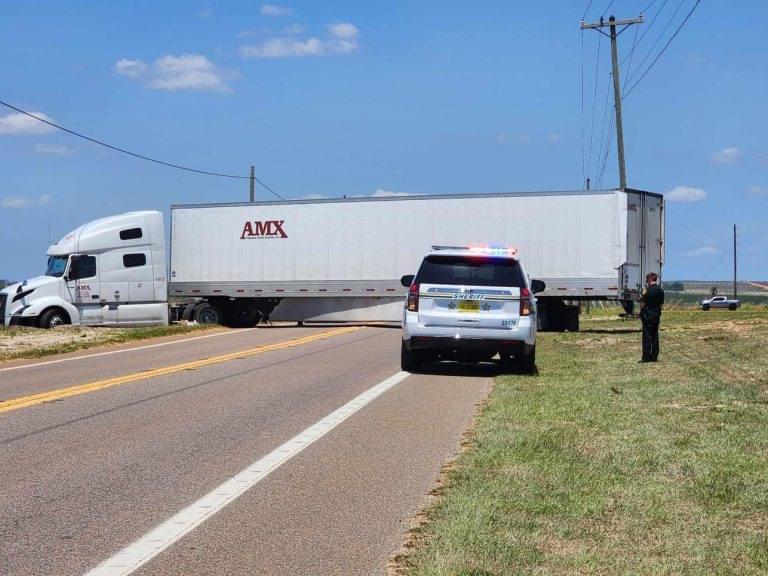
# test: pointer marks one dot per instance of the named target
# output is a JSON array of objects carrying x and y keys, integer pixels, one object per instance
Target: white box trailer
[{"x": 342, "y": 259}]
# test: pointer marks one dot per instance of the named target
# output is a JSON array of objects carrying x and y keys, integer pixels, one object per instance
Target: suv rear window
[{"x": 471, "y": 270}]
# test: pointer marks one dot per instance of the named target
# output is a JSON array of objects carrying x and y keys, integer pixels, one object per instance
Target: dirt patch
[
  {"x": 18, "y": 341},
  {"x": 22, "y": 342}
]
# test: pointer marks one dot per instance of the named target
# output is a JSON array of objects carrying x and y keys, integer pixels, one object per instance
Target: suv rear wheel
[
  {"x": 526, "y": 363},
  {"x": 410, "y": 360}
]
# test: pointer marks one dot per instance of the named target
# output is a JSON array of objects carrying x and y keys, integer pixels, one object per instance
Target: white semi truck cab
[{"x": 108, "y": 272}]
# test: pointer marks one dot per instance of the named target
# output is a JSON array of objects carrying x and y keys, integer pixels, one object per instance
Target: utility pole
[
  {"x": 612, "y": 23},
  {"x": 734, "y": 261},
  {"x": 253, "y": 184}
]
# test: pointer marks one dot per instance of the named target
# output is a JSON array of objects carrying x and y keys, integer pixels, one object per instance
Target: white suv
[{"x": 469, "y": 304}]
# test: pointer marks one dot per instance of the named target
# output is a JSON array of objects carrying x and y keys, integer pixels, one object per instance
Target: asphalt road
[{"x": 138, "y": 436}]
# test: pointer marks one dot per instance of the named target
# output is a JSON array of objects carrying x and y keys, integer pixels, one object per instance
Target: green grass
[
  {"x": 78, "y": 341},
  {"x": 601, "y": 465}
]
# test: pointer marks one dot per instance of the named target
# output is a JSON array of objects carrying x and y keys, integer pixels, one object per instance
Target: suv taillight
[
  {"x": 525, "y": 302},
  {"x": 413, "y": 298}
]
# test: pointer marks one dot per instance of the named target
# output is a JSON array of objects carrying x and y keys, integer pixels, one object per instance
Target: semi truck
[{"x": 335, "y": 260}]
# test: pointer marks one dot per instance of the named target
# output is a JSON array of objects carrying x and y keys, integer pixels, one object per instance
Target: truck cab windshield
[{"x": 56, "y": 266}]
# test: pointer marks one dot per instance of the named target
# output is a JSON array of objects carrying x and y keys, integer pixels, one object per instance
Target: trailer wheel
[
  {"x": 53, "y": 317},
  {"x": 410, "y": 360},
  {"x": 245, "y": 314},
  {"x": 208, "y": 314}
]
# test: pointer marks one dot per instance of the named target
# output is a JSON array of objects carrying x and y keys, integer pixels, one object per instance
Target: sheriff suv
[{"x": 469, "y": 304}]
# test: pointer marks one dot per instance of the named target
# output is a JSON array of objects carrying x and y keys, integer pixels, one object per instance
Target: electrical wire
[
  {"x": 658, "y": 39},
  {"x": 608, "y": 8},
  {"x": 583, "y": 148},
  {"x": 587, "y": 10},
  {"x": 594, "y": 104},
  {"x": 629, "y": 66},
  {"x": 646, "y": 30},
  {"x": 664, "y": 49},
  {"x": 134, "y": 154},
  {"x": 605, "y": 116}
]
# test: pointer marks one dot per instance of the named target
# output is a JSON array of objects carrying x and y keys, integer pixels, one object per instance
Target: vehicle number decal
[{"x": 508, "y": 323}]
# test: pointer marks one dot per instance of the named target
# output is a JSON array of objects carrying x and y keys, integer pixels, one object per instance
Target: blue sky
[{"x": 352, "y": 98}]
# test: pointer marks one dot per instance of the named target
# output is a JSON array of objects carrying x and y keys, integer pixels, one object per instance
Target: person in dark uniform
[{"x": 650, "y": 314}]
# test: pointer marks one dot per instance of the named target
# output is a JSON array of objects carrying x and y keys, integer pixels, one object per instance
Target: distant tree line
[{"x": 673, "y": 286}]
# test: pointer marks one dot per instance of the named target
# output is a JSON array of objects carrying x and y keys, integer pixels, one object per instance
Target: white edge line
[
  {"x": 86, "y": 356},
  {"x": 135, "y": 555}
]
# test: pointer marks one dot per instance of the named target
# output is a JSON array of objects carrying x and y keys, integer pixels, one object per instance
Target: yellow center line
[{"x": 34, "y": 399}]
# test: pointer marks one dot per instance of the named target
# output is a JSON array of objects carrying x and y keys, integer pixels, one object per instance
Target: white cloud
[
  {"x": 18, "y": 123},
  {"x": 343, "y": 30},
  {"x": 553, "y": 137},
  {"x": 726, "y": 156},
  {"x": 131, "y": 68},
  {"x": 295, "y": 28},
  {"x": 503, "y": 137},
  {"x": 24, "y": 202},
  {"x": 382, "y": 193},
  {"x": 342, "y": 40},
  {"x": 53, "y": 149},
  {"x": 760, "y": 191},
  {"x": 707, "y": 250},
  {"x": 183, "y": 72},
  {"x": 275, "y": 10},
  {"x": 312, "y": 197},
  {"x": 685, "y": 194},
  {"x": 284, "y": 48}
]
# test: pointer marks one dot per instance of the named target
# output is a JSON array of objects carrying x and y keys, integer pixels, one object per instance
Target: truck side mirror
[
  {"x": 407, "y": 280},
  {"x": 538, "y": 286}
]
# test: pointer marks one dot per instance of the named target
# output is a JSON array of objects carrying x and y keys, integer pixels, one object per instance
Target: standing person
[{"x": 650, "y": 315}]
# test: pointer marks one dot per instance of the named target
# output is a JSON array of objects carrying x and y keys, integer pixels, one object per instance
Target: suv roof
[{"x": 480, "y": 250}]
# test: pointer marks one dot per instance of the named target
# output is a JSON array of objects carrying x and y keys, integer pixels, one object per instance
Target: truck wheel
[
  {"x": 52, "y": 318},
  {"x": 526, "y": 363},
  {"x": 410, "y": 361},
  {"x": 208, "y": 314},
  {"x": 705, "y": 307},
  {"x": 245, "y": 314},
  {"x": 731, "y": 306}
]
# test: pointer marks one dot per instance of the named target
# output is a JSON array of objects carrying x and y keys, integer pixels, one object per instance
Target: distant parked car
[{"x": 720, "y": 302}]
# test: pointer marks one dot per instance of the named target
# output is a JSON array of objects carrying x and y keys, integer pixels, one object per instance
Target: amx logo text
[{"x": 264, "y": 229}]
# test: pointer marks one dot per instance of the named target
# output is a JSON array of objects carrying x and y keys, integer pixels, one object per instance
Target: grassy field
[
  {"x": 16, "y": 343},
  {"x": 601, "y": 465}
]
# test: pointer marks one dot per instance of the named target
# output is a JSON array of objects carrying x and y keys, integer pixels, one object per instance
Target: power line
[
  {"x": 583, "y": 147},
  {"x": 631, "y": 53},
  {"x": 587, "y": 10},
  {"x": 660, "y": 36},
  {"x": 604, "y": 122},
  {"x": 645, "y": 32},
  {"x": 664, "y": 49},
  {"x": 594, "y": 104},
  {"x": 608, "y": 8},
  {"x": 134, "y": 154}
]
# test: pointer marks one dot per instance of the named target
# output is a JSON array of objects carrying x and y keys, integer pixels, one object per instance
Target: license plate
[{"x": 469, "y": 306}]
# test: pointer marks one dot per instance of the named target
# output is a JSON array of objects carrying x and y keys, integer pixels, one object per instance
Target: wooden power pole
[
  {"x": 253, "y": 184},
  {"x": 612, "y": 23},
  {"x": 734, "y": 262}
]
